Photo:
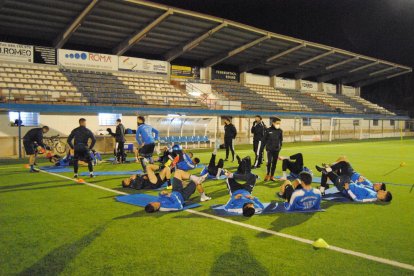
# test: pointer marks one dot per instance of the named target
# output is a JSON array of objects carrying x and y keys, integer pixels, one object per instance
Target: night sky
[{"x": 379, "y": 28}]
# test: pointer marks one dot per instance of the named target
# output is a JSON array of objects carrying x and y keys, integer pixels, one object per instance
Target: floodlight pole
[{"x": 20, "y": 137}]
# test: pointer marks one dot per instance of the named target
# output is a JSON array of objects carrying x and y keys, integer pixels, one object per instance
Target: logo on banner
[{"x": 89, "y": 56}]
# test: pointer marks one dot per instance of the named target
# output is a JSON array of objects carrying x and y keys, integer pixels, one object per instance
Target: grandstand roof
[{"x": 136, "y": 28}]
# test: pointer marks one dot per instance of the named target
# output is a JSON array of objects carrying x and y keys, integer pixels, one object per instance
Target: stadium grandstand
[
  {"x": 129, "y": 57},
  {"x": 126, "y": 126}
]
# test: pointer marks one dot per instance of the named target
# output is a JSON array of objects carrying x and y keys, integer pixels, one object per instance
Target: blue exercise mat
[
  {"x": 112, "y": 173},
  {"x": 56, "y": 169},
  {"x": 143, "y": 199},
  {"x": 112, "y": 159},
  {"x": 270, "y": 208},
  {"x": 334, "y": 195},
  {"x": 315, "y": 179}
]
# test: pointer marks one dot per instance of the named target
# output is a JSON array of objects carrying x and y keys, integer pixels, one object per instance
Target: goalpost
[{"x": 347, "y": 128}]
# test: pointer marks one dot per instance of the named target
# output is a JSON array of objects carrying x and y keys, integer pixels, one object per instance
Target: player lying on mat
[
  {"x": 241, "y": 201},
  {"x": 214, "y": 171},
  {"x": 181, "y": 192},
  {"x": 294, "y": 164},
  {"x": 342, "y": 167},
  {"x": 300, "y": 195},
  {"x": 150, "y": 180},
  {"x": 185, "y": 161},
  {"x": 357, "y": 192}
]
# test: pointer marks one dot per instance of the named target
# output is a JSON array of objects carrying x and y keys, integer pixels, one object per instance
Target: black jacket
[
  {"x": 119, "y": 133},
  {"x": 35, "y": 135},
  {"x": 230, "y": 131},
  {"x": 258, "y": 130},
  {"x": 273, "y": 139},
  {"x": 81, "y": 135}
]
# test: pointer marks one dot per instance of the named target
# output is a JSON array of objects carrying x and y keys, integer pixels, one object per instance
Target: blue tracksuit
[
  {"x": 304, "y": 200},
  {"x": 360, "y": 193},
  {"x": 186, "y": 163},
  {"x": 171, "y": 202},
  {"x": 366, "y": 183},
  {"x": 144, "y": 134},
  {"x": 236, "y": 205}
]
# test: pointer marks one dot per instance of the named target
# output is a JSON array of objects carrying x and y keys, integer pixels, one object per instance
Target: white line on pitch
[{"x": 260, "y": 229}]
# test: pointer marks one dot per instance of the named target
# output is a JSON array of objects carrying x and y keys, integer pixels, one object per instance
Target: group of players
[{"x": 175, "y": 164}]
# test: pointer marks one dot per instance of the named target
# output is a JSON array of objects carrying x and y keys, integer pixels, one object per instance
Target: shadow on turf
[
  {"x": 57, "y": 260},
  {"x": 238, "y": 260},
  {"x": 29, "y": 184}
]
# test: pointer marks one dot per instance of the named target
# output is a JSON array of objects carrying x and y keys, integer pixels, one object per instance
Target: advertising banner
[
  {"x": 348, "y": 90},
  {"x": 82, "y": 59},
  {"x": 329, "y": 88},
  {"x": 16, "y": 52},
  {"x": 143, "y": 65},
  {"x": 285, "y": 83},
  {"x": 217, "y": 74},
  {"x": 308, "y": 86},
  {"x": 185, "y": 72},
  {"x": 44, "y": 55}
]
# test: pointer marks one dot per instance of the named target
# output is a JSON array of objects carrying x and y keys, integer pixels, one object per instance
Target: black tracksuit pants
[
  {"x": 272, "y": 157},
  {"x": 229, "y": 144},
  {"x": 258, "y": 151}
]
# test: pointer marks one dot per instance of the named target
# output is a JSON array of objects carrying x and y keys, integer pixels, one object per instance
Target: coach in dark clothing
[
  {"x": 81, "y": 136},
  {"x": 230, "y": 134},
  {"x": 258, "y": 130},
  {"x": 120, "y": 140},
  {"x": 31, "y": 140},
  {"x": 273, "y": 140}
]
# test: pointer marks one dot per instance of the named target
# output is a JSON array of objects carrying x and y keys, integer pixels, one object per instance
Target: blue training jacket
[
  {"x": 366, "y": 183},
  {"x": 304, "y": 200},
  {"x": 186, "y": 164},
  {"x": 144, "y": 134},
  {"x": 171, "y": 202},
  {"x": 236, "y": 205},
  {"x": 360, "y": 193}
]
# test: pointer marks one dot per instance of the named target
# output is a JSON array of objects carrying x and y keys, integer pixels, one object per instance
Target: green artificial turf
[{"x": 50, "y": 225}]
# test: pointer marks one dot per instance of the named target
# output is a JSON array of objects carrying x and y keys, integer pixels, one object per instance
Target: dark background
[{"x": 378, "y": 28}]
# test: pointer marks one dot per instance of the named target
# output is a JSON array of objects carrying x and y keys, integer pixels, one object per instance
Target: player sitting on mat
[
  {"x": 356, "y": 192},
  {"x": 294, "y": 164},
  {"x": 300, "y": 195},
  {"x": 181, "y": 192},
  {"x": 214, "y": 171},
  {"x": 240, "y": 185},
  {"x": 342, "y": 167},
  {"x": 150, "y": 180}
]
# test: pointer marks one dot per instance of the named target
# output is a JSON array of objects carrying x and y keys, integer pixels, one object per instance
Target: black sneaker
[
  {"x": 91, "y": 175},
  {"x": 238, "y": 159},
  {"x": 34, "y": 171},
  {"x": 75, "y": 175},
  {"x": 225, "y": 160}
]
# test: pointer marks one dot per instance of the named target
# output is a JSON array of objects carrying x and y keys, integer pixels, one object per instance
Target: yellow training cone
[
  {"x": 402, "y": 164},
  {"x": 320, "y": 243}
]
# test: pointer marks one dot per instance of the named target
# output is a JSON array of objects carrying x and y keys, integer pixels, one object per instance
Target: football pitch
[{"x": 52, "y": 225}]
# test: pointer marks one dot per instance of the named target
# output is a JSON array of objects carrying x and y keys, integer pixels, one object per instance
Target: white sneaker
[{"x": 205, "y": 198}]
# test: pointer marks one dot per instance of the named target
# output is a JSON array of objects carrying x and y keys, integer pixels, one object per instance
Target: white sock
[
  {"x": 284, "y": 174},
  {"x": 219, "y": 173},
  {"x": 203, "y": 194},
  {"x": 215, "y": 151},
  {"x": 322, "y": 189},
  {"x": 329, "y": 169}
]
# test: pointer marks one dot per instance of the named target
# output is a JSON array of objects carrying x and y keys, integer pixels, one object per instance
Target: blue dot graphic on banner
[
  {"x": 84, "y": 56},
  {"x": 77, "y": 56},
  {"x": 66, "y": 56},
  {"x": 71, "y": 55}
]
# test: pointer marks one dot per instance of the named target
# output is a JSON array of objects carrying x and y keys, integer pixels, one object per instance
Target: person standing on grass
[
  {"x": 230, "y": 133},
  {"x": 120, "y": 140},
  {"x": 258, "y": 130},
  {"x": 272, "y": 140},
  {"x": 81, "y": 136},
  {"x": 146, "y": 137},
  {"x": 31, "y": 140}
]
